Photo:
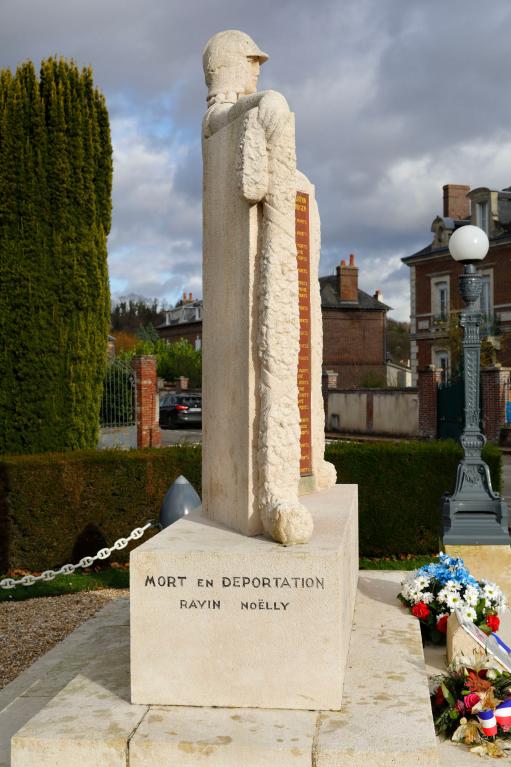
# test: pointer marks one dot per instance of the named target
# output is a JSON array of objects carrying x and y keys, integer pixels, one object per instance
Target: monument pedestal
[
  {"x": 492, "y": 562},
  {"x": 220, "y": 619},
  {"x": 385, "y": 719}
]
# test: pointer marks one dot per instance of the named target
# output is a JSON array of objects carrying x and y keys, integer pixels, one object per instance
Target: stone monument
[
  {"x": 238, "y": 643},
  {"x": 247, "y": 621},
  {"x": 262, "y": 310}
]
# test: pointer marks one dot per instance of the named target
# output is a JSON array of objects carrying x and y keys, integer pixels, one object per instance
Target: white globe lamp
[{"x": 469, "y": 243}]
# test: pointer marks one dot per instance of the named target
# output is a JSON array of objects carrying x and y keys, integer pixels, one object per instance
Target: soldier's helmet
[{"x": 225, "y": 59}]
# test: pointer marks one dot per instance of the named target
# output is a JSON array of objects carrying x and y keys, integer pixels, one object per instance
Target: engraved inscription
[
  {"x": 302, "y": 236},
  {"x": 228, "y": 584}
]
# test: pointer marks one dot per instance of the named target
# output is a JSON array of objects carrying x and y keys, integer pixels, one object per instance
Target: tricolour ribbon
[
  {"x": 488, "y": 722},
  {"x": 501, "y": 643},
  {"x": 503, "y": 714}
]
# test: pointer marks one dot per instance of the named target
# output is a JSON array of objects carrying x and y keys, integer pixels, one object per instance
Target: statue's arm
[{"x": 271, "y": 105}]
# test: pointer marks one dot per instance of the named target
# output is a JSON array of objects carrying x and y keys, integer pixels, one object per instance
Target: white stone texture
[
  {"x": 260, "y": 645},
  {"x": 385, "y": 717},
  {"x": 223, "y": 737},
  {"x": 251, "y": 421},
  {"x": 85, "y": 724}
]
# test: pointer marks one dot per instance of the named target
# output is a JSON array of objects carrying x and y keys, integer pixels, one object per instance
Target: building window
[
  {"x": 482, "y": 219},
  {"x": 441, "y": 362},
  {"x": 440, "y": 299},
  {"x": 486, "y": 305}
]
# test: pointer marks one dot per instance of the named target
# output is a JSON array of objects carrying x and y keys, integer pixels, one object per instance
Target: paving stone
[
  {"x": 217, "y": 737},
  {"x": 85, "y": 724}
]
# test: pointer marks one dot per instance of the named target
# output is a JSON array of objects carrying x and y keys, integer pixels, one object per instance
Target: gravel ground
[{"x": 30, "y": 628}]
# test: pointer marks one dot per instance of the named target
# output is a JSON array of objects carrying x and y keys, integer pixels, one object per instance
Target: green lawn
[
  {"x": 111, "y": 578},
  {"x": 118, "y": 578}
]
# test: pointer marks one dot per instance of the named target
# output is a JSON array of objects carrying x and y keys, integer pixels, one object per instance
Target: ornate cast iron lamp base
[{"x": 474, "y": 514}]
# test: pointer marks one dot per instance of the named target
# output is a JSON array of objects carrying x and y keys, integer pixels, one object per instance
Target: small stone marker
[{"x": 465, "y": 638}]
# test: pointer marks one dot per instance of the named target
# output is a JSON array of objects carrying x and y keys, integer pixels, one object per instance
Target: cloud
[
  {"x": 154, "y": 244},
  {"x": 392, "y": 100}
]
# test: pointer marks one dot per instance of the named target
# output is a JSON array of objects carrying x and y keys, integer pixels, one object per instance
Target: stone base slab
[
  {"x": 385, "y": 719},
  {"x": 491, "y": 562},
  {"x": 221, "y": 619}
]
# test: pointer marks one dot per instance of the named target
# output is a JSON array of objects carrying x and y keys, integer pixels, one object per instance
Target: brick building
[
  {"x": 434, "y": 295},
  {"x": 184, "y": 322},
  {"x": 354, "y": 328}
]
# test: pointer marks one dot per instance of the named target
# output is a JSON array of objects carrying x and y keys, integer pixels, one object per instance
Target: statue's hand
[{"x": 272, "y": 107}]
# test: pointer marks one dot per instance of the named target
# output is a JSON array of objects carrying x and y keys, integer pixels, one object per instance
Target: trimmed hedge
[
  {"x": 400, "y": 486},
  {"x": 55, "y": 508},
  {"x": 55, "y": 215}
]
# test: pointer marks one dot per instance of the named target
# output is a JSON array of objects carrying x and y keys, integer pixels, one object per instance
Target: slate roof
[{"x": 330, "y": 297}]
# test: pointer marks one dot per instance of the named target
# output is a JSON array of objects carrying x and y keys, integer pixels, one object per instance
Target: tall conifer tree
[{"x": 55, "y": 214}]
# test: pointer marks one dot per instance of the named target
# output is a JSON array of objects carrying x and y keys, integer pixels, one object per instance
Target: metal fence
[{"x": 118, "y": 402}]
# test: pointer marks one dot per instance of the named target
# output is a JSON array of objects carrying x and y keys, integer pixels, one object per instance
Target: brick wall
[
  {"x": 354, "y": 345},
  {"x": 494, "y": 389},
  {"x": 147, "y": 401},
  {"x": 456, "y": 202},
  {"x": 427, "y": 385}
]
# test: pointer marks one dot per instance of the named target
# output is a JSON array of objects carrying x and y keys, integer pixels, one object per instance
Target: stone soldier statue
[{"x": 263, "y": 142}]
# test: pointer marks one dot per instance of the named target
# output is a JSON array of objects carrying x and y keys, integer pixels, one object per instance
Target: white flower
[
  {"x": 415, "y": 596},
  {"x": 442, "y": 596},
  {"x": 471, "y": 596},
  {"x": 468, "y": 612},
  {"x": 453, "y": 600},
  {"x": 491, "y": 591},
  {"x": 453, "y": 586},
  {"x": 421, "y": 582},
  {"x": 427, "y": 597}
]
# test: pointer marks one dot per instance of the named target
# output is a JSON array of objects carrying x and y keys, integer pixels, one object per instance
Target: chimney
[
  {"x": 184, "y": 296},
  {"x": 347, "y": 281},
  {"x": 189, "y": 296},
  {"x": 456, "y": 202},
  {"x": 378, "y": 295}
]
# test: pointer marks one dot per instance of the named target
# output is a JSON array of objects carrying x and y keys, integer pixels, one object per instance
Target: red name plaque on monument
[{"x": 304, "y": 356}]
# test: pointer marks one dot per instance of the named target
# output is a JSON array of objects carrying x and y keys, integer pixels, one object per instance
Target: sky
[{"x": 393, "y": 99}]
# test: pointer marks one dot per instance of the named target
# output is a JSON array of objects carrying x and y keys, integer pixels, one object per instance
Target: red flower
[
  {"x": 471, "y": 700},
  {"x": 441, "y": 626},
  {"x": 439, "y": 698},
  {"x": 493, "y": 621},
  {"x": 420, "y": 610}
]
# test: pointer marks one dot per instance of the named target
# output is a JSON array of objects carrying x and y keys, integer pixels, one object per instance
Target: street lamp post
[{"x": 474, "y": 513}]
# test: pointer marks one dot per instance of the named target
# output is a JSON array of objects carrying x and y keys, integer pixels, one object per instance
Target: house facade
[
  {"x": 434, "y": 297},
  {"x": 354, "y": 328},
  {"x": 183, "y": 322}
]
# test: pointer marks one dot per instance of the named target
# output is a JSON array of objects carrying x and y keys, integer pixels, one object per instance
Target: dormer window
[{"x": 482, "y": 215}]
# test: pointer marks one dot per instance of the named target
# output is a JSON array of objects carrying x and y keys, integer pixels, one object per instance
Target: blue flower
[{"x": 448, "y": 569}]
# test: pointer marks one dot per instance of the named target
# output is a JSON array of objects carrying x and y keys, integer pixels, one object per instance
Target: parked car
[{"x": 180, "y": 409}]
